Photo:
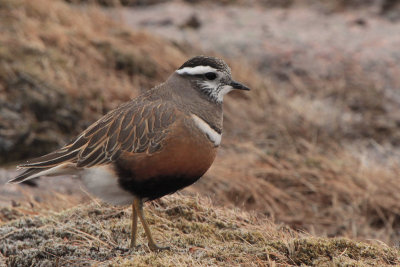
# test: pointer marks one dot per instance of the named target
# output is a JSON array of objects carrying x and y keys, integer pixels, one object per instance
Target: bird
[{"x": 151, "y": 146}]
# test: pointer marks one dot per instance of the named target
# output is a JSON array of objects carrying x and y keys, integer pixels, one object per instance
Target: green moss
[{"x": 91, "y": 234}]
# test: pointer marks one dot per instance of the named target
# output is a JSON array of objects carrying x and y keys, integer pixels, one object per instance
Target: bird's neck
[{"x": 193, "y": 101}]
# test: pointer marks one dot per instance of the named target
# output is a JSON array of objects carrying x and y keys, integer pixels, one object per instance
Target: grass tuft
[{"x": 198, "y": 232}]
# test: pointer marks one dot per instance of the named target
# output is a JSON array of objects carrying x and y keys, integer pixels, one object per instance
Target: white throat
[
  {"x": 215, "y": 91},
  {"x": 223, "y": 91}
]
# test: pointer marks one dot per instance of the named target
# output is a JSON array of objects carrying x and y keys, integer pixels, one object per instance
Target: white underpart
[
  {"x": 196, "y": 70},
  {"x": 205, "y": 128},
  {"x": 103, "y": 183}
]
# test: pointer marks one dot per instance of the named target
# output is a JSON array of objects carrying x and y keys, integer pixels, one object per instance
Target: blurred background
[{"x": 314, "y": 145}]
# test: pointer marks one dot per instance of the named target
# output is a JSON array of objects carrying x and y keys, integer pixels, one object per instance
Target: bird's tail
[{"x": 56, "y": 163}]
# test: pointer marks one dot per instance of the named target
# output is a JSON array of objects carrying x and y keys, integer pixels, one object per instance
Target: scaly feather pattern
[{"x": 138, "y": 126}]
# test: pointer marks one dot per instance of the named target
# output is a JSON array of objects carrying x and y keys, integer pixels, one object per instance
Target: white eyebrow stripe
[
  {"x": 196, "y": 70},
  {"x": 205, "y": 128}
]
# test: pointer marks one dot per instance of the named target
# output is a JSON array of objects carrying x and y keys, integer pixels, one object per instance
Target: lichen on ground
[{"x": 198, "y": 233}]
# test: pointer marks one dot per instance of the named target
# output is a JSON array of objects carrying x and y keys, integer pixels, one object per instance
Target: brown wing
[{"x": 137, "y": 126}]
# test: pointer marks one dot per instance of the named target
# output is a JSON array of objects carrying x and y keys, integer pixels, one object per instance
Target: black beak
[{"x": 239, "y": 86}]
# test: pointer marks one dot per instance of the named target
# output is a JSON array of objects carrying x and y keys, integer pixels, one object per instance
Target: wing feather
[{"x": 138, "y": 126}]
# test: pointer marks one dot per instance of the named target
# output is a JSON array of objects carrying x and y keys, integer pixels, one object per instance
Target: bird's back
[{"x": 137, "y": 126}]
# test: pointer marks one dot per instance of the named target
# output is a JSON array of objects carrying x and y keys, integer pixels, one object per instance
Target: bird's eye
[{"x": 210, "y": 75}]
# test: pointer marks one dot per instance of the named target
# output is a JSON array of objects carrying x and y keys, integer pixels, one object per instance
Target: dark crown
[{"x": 213, "y": 62}]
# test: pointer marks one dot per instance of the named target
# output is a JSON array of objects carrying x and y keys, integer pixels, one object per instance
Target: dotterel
[{"x": 151, "y": 146}]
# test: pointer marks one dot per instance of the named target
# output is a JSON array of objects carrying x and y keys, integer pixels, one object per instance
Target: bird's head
[{"x": 211, "y": 76}]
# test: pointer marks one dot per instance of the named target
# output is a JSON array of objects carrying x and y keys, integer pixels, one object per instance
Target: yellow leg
[
  {"x": 134, "y": 225},
  {"x": 137, "y": 202}
]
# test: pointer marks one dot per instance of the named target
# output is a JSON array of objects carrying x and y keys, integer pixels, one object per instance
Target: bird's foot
[{"x": 133, "y": 244}]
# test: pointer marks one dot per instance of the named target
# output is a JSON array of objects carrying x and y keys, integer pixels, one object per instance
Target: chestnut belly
[
  {"x": 183, "y": 158},
  {"x": 153, "y": 176}
]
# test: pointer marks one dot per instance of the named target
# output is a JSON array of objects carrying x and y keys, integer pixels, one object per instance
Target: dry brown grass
[
  {"x": 199, "y": 233},
  {"x": 286, "y": 154},
  {"x": 314, "y": 153},
  {"x": 328, "y": 196},
  {"x": 300, "y": 166},
  {"x": 65, "y": 66}
]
